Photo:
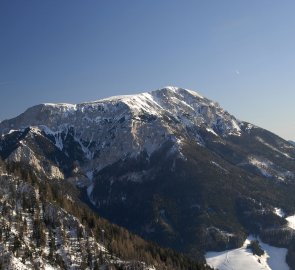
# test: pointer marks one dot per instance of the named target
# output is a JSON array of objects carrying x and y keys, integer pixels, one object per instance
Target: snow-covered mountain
[
  {"x": 110, "y": 129},
  {"x": 169, "y": 165},
  {"x": 106, "y": 131}
]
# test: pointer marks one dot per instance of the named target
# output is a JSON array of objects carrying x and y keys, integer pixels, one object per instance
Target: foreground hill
[{"x": 45, "y": 226}]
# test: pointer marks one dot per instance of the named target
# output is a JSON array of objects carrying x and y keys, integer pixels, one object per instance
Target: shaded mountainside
[
  {"x": 45, "y": 226},
  {"x": 168, "y": 165}
]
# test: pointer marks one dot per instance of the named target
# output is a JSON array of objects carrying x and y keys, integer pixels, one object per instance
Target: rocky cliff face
[{"x": 169, "y": 165}]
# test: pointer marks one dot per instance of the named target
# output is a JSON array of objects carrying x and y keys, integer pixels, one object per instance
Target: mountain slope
[
  {"x": 169, "y": 165},
  {"x": 45, "y": 226}
]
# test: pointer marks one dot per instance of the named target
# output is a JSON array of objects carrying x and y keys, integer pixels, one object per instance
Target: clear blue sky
[{"x": 239, "y": 53}]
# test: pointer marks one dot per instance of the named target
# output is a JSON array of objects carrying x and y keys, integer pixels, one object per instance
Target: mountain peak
[
  {"x": 110, "y": 129},
  {"x": 180, "y": 90},
  {"x": 161, "y": 91},
  {"x": 171, "y": 89},
  {"x": 171, "y": 103}
]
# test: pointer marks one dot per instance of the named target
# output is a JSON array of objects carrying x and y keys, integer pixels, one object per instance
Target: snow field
[{"x": 243, "y": 259}]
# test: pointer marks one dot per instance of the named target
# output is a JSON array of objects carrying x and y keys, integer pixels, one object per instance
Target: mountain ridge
[
  {"x": 168, "y": 165},
  {"x": 159, "y": 106}
]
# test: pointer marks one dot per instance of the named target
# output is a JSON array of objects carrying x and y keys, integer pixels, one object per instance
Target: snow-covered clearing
[
  {"x": 243, "y": 259},
  {"x": 291, "y": 222}
]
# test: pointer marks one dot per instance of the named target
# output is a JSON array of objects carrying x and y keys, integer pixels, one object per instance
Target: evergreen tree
[
  {"x": 51, "y": 245},
  {"x": 38, "y": 233},
  {"x": 16, "y": 244}
]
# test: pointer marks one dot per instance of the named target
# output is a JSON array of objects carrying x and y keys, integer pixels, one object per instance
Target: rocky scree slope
[{"x": 169, "y": 165}]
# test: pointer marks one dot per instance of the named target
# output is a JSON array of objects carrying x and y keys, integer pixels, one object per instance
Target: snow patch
[
  {"x": 243, "y": 259},
  {"x": 212, "y": 131},
  {"x": 11, "y": 131},
  {"x": 269, "y": 169},
  {"x": 218, "y": 166},
  {"x": 236, "y": 126},
  {"x": 17, "y": 264},
  {"x": 48, "y": 267},
  {"x": 56, "y": 135},
  {"x": 279, "y": 212},
  {"x": 273, "y": 148},
  {"x": 262, "y": 164},
  {"x": 291, "y": 221},
  {"x": 67, "y": 106}
]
